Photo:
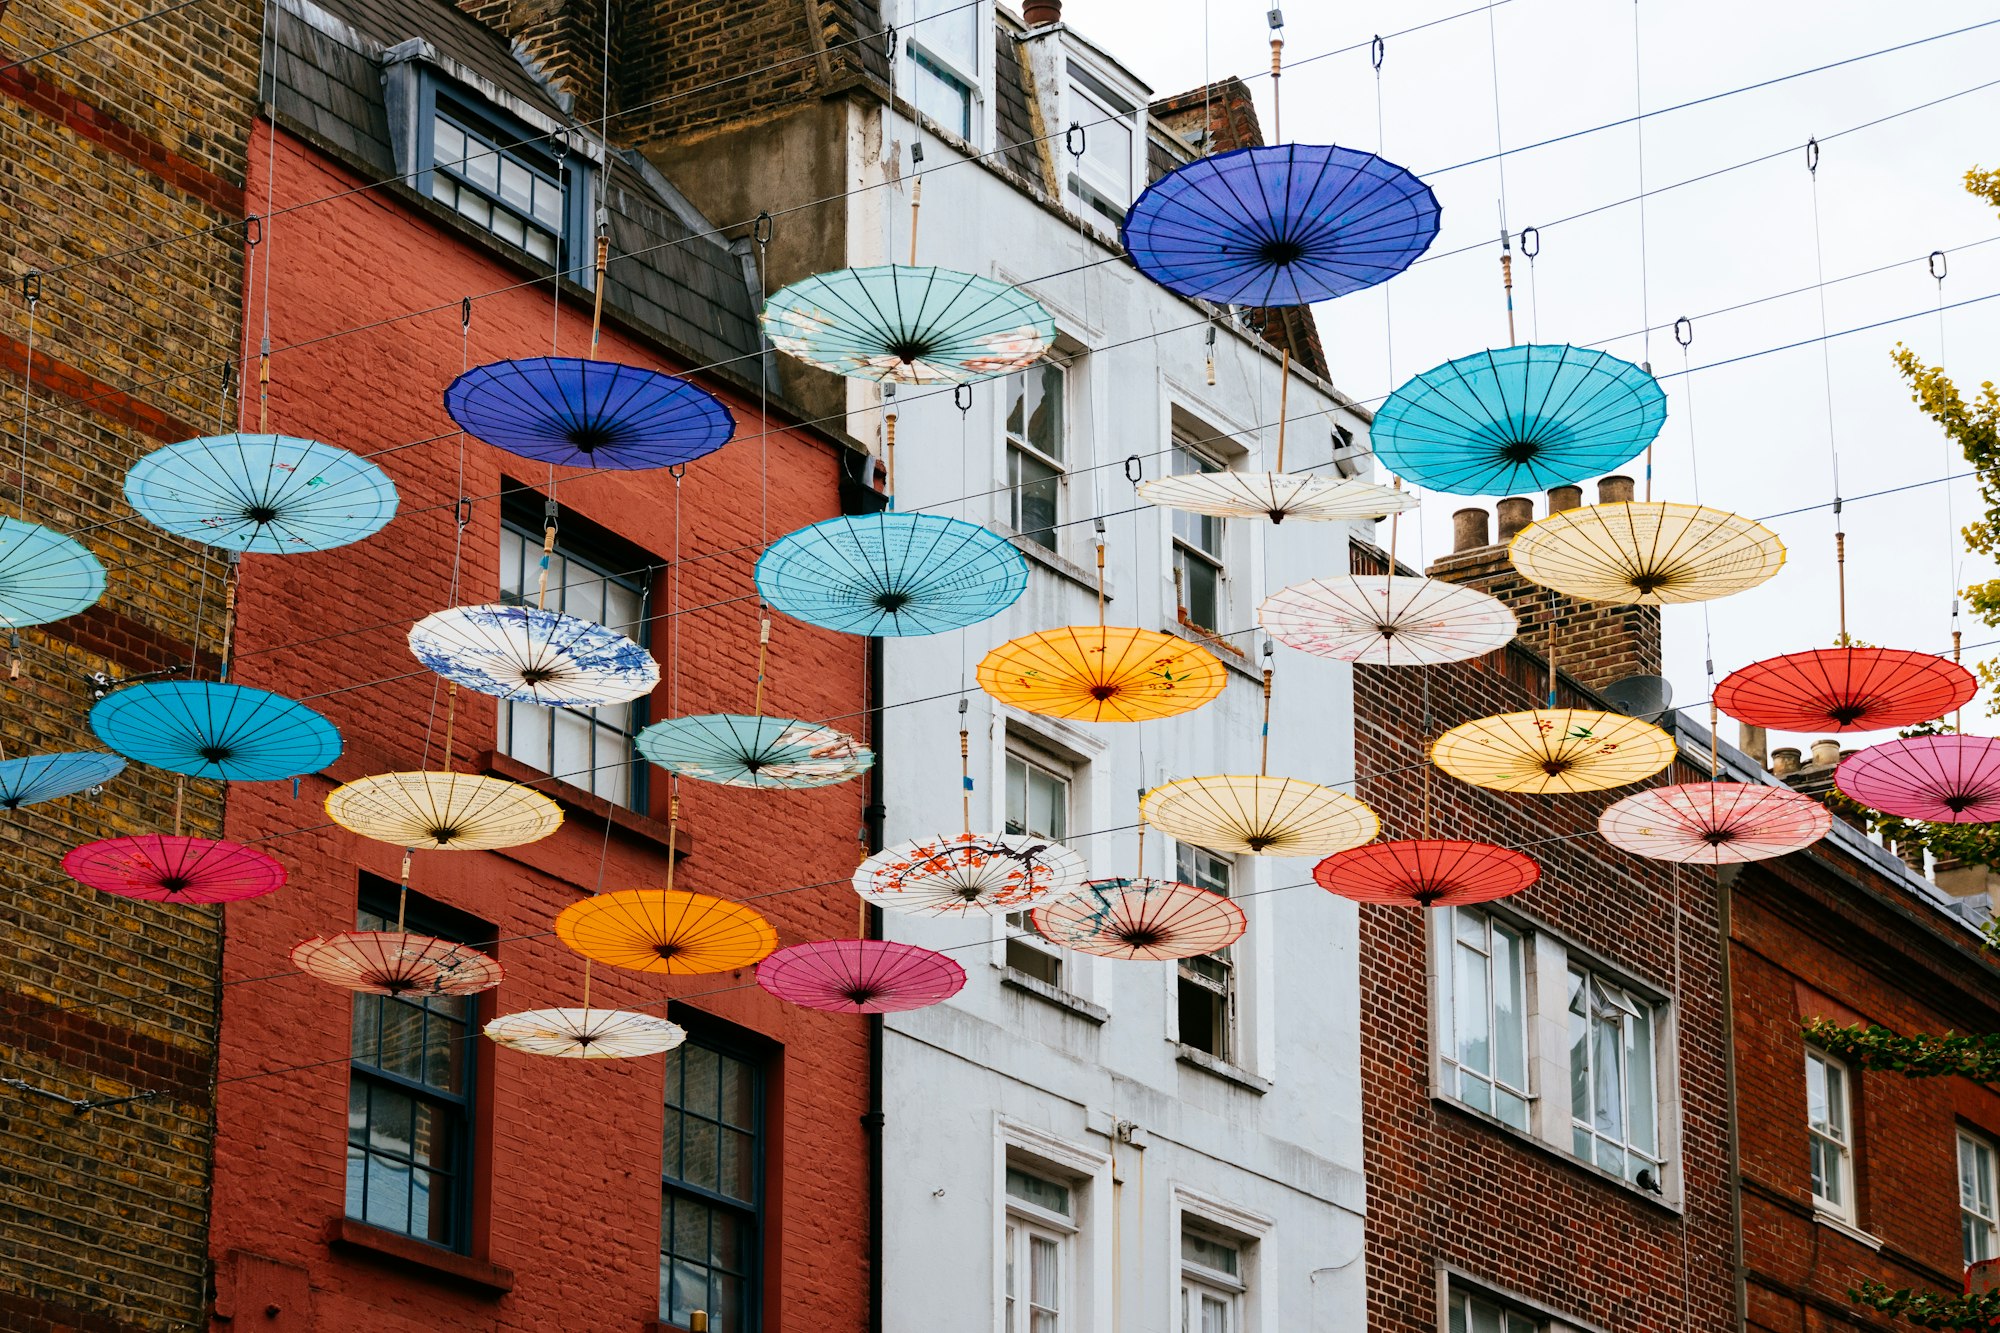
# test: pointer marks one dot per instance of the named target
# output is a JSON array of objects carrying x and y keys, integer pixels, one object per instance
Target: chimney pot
[
  {"x": 1755, "y": 742},
  {"x": 1785, "y": 761},
  {"x": 1516, "y": 512},
  {"x": 1614, "y": 490},
  {"x": 1468, "y": 530},
  {"x": 1041, "y": 13},
  {"x": 1825, "y": 752},
  {"x": 1565, "y": 497}
]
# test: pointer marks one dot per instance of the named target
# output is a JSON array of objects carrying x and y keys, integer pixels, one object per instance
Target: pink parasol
[
  {"x": 163, "y": 869},
  {"x": 860, "y": 976},
  {"x": 1714, "y": 823},
  {"x": 1942, "y": 779},
  {"x": 1148, "y": 920},
  {"x": 393, "y": 962}
]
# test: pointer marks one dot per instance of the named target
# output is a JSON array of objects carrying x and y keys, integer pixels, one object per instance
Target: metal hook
[
  {"x": 461, "y": 512},
  {"x": 889, "y": 43},
  {"x": 465, "y": 313},
  {"x": 1812, "y": 156},
  {"x": 760, "y": 230},
  {"x": 1376, "y": 50},
  {"x": 677, "y": 471},
  {"x": 1074, "y": 138},
  {"x": 1684, "y": 331},
  {"x": 253, "y": 231},
  {"x": 1135, "y": 469},
  {"x": 964, "y": 404},
  {"x": 1938, "y": 265},
  {"x": 31, "y": 286},
  {"x": 1531, "y": 241}
]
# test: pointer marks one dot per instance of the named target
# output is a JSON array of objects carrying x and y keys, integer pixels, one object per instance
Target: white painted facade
[{"x": 1168, "y": 1158}]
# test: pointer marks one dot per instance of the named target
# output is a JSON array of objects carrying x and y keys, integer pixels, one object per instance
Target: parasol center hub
[
  {"x": 1521, "y": 451},
  {"x": 668, "y": 949},
  {"x": 175, "y": 883},
  {"x": 1280, "y": 251},
  {"x": 589, "y": 436},
  {"x": 1650, "y": 582},
  {"x": 1257, "y": 842},
  {"x": 1718, "y": 837},
  {"x": 1140, "y": 937},
  {"x": 1103, "y": 692},
  {"x": 860, "y": 995},
  {"x": 1847, "y": 714},
  {"x": 754, "y": 762},
  {"x": 910, "y": 351},
  {"x": 1427, "y": 895},
  {"x": 891, "y": 601},
  {"x": 215, "y": 754},
  {"x": 1555, "y": 768},
  {"x": 261, "y": 514},
  {"x": 969, "y": 893},
  {"x": 1958, "y": 804},
  {"x": 443, "y": 834},
  {"x": 398, "y": 985},
  {"x": 537, "y": 676}
]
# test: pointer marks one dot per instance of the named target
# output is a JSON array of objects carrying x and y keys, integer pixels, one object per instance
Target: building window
[
  {"x": 944, "y": 46},
  {"x": 1207, "y": 984},
  {"x": 712, "y": 1177},
  {"x": 1472, "y": 1314},
  {"x": 1614, "y": 1106},
  {"x": 409, "y": 1102},
  {"x": 1978, "y": 1220},
  {"x": 1485, "y": 1009},
  {"x": 1102, "y": 176},
  {"x": 1040, "y": 1229},
  {"x": 1035, "y": 452},
  {"x": 1198, "y": 566},
  {"x": 1832, "y": 1146},
  {"x": 589, "y": 748},
  {"x": 1038, "y": 806},
  {"x": 501, "y": 181},
  {"x": 1212, "y": 1273}
]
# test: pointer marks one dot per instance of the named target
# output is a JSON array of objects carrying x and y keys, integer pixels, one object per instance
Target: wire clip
[
  {"x": 1531, "y": 241},
  {"x": 31, "y": 286},
  {"x": 1376, "y": 50},
  {"x": 1135, "y": 469},
  {"x": 1938, "y": 265},
  {"x": 962, "y": 404},
  {"x": 1812, "y": 156},
  {"x": 1684, "y": 331},
  {"x": 760, "y": 230},
  {"x": 1074, "y": 139}
]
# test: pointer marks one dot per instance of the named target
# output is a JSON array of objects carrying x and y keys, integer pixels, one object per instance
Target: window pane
[
  {"x": 949, "y": 27},
  {"x": 1048, "y": 805},
  {"x": 1030, "y": 959},
  {"x": 1044, "y": 1275},
  {"x": 942, "y": 97},
  {"x": 1474, "y": 1044},
  {"x": 516, "y": 185},
  {"x": 1580, "y": 1081},
  {"x": 736, "y": 1093},
  {"x": 1200, "y": 589},
  {"x": 508, "y": 227},
  {"x": 526, "y": 733},
  {"x": 1641, "y": 1104},
  {"x": 1036, "y": 491},
  {"x": 447, "y": 144},
  {"x": 1209, "y": 1253},
  {"x": 548, "y": 203},
  {"x": 1037, "y": 1191},
  {"x": 1017, "y": 795},
  {"x": 482, "y": 166},
  {"x": 1202, "y": 1020},
  {"x": 571, "y": 759}
]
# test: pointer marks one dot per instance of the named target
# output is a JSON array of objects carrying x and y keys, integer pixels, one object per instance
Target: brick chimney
[
  {"x": 1596, "y": 643},
  {"x": 1041, "y": 13}
]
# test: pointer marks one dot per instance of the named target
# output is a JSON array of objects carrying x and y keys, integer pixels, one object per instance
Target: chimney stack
[
  {"x": 1468, "y": 530},
  {"x": 1516, "y": 512},
  {"x": 1614, "y": 490},
  {"x": 1755, "y": 742},
  {"x": 1784, "y": 761},
  {"x": 1041, "y": 13},
  {"x": 1565, "y": 497},
  {"x": 1825, "y": 752}
]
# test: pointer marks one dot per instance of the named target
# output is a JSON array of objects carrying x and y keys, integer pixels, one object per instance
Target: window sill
[
  {"x": 1230, "y": 657},
  {"x": 1039, "y": 554},
  {"x": 1222, "y": 1069},
  {"x": 1591, "y": 1169},
  {"x": 1845, "y": 1228},
  {"x": 1074, "y": 1005},
  {"x": 1208, "y": 638},
  {"x": 345, "y": 1233},
  {"x": 576, "y": 801}
]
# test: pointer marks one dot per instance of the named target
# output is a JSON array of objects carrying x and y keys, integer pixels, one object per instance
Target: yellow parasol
[
  {"x": 666, "y": 930},
  {"x": 1553, "y": 750},
  {"x": 1259, "y": 816},
  {"x": 1647, "y": 554},
  {"x": 450, "y": 812}
]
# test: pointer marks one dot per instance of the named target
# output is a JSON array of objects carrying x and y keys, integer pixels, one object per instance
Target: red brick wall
[{"x": 570, "y": 1193}]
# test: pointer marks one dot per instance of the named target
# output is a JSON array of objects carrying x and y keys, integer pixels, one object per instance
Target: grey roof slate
[{"x": 1013, "y": 124}]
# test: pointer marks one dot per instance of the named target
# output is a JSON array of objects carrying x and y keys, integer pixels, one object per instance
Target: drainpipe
[
  {"x": 874, "y": 931},
  {"x": 1725, "y": 883}
]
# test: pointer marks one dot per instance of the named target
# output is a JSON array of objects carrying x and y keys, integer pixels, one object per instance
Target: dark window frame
[{"x": 758, "y": 1057}]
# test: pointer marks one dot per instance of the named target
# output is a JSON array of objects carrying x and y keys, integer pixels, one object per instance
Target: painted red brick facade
[{"x": 566, "y": 1218}]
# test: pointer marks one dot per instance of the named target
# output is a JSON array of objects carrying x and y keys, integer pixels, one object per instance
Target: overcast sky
[{"x": 1887, "y": 195}]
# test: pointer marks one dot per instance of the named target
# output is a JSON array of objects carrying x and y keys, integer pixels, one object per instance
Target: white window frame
[
  {"x": 1229, "y": 986},
  {"x": 918, "y": 51},
  {"x": 1837, "y": 1136},
  {"x": 1978, "y": 1218},
  {"x": 1447, "y": 989},
  {"x": 1232, "y": 1224},
  {"x": 1512, "y": 1320},
  {"x": 1010, "y": 445},
  {"x": 1087, "y": 1276},
  {"x": 1020, "y": 935},
  {"x": 1023, "y": 1224},
  {"x": 1620, "y": 1005},
  {"x": 1094, "y": 200},
  {"x": 1188, "y": 550}
]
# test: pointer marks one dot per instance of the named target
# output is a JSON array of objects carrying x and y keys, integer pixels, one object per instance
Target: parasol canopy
[
  {"x": 1259, "y": 816},
  {"x": 1939, "y": 779},
  {"x": 1387, "y": 620},
  {"x": 666, "y": 930},
  {"x": 1714, "y": 823},
  {"x": 1283, "y": 225},
  {"x": 1647, "y": 554},
  {"x": 908, "y": 324},
  {"x": 860, "y": 976},
  {"x": 570, "y": 412},
  {"x": 1276, "y": 496},
  {"x": 210, "y": 730},
  {"x": 740, "y": 751},
  {"x": 394, "y": 962},
  {"x": 530, "y": 655},
  {"x": 266, "y": 494},
  {"x": 892, "y": 574},
  {"x": 44, "y": 575},
  {"x": 443, "y": 812},
  {"x": 1431, "y": 872},
  {"x": 968, "y": 873},
  {"x": 1845, "y": 689},
  {"x": 1147, "y": 920},
  {"x": 49, "y": 777},
  {"x": 1517, "y": 419},
  {"x": 1553, "y": 750},
  {"x": 1088, "y": 673},
  {"x": 163, "y": 869},
  {"x": 586, "y": 1034}
]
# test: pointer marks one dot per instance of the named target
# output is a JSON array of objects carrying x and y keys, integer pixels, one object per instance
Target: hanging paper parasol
[
  {"x": 1427, "y": 873},
  {"x": 597, "y": 414},
  {"x": 393, "y": 962},
  {"x": 1938, "y": 779},
  {"x": 48, "y": 777},
  {"x": 1845, "y": 689},
  {"x": 268, "y": 494},
  {"x": 44, "y": 575},
  {"x": 967, "y": 873},
  {"x": 860, "y": 976},
  {"x": 1647, "y": 554},
  {"x": 666, "y": 930},
  {"x": 1387, "y": 620},
  {"x": 1714, "y": 823},
  {"x": 534, "y": 656},
  {"x": 443, "y": 812},
  {"x": 908, "y": 324},
  {"x": 892, "y": 574},
  {"x": 1276, "y": 496},
  {"x": 586, "y": 1034},
  {"x": 1517, "y": 419},
  {"x": 1145, "y": 920},
  {"x": 739, "y": 751},
  {"x": 209, "y": 730},
  {"x": 1553, "y": 750},
  {"x": 1259, "y": 816},
  {"x": 1279, "y": 226},
  {"x": 1088, "y": 673},
  {"x": 164, "y": 869}
]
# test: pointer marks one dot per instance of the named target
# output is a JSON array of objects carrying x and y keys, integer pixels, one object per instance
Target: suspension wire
[
  {"x": 1378, "y": 51},
  {"x": 31, "y": 292},
  {"x": 1939, "y": 266},
  {"x": 1826, "y": 366},
  {"x": 1645, "y": 289},
  {"x": 1499, "y": 158}
]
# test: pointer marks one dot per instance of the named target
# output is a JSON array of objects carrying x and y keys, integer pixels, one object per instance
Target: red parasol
[
  {"x": 1714, "y": 823},
  {"x": 1427, "y": 873},
  {"x": 164, "y": 869},
  {"x": 1845, "y": 689},
  {"x": 860, "y": 976},
  {"x": 1148, "y": 920},
  {"x": 1942, "y": 779},
  {"x": 392, "y": 962}
]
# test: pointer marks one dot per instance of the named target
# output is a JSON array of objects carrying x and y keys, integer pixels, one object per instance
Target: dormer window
[
  {"x": 944, "y": 45},
  {"x": 1102, "y": 177},
  {"x": 513, "y": 191}
]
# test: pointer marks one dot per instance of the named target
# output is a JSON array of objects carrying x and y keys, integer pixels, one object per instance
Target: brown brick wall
[{"x": 123, "y": 182}]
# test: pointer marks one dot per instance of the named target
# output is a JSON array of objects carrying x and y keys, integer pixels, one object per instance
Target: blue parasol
[
  {"x": 531, "y": 655},
  {"x": 597, "y": 414},
  {"x": 209, "y": 730},
  {"x": 892, "y": 574},
  {"x": 1518, "y": 420},
  {"x": 46, "y": 777},
  {"x": 44, "y": 575},
  {"x": 1279, "y": 226},
  {"x": 740, "y": 751},
  {"x": 271, "y": 494},
  {"x": 909, "y": 324}
]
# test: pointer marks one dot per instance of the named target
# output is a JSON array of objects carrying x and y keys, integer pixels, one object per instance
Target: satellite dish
[{"x": 1643, "y": 697}]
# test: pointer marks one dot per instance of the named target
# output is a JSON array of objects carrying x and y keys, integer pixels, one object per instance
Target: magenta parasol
[
  {"x": 860, "y": 976},
  {"x": 1942, "y": 779},
  {"x": 163, "y": 869}
]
